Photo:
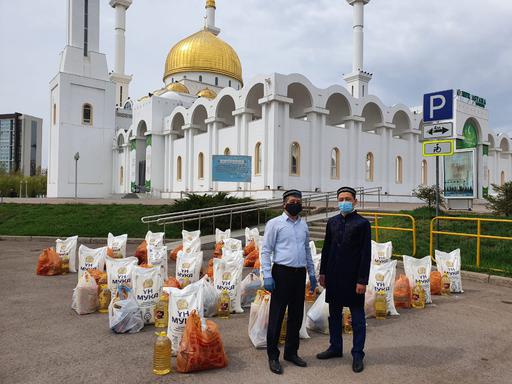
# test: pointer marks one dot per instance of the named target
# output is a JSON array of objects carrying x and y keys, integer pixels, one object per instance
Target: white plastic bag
[
  {"x": 317, "y": 258},
  {"x": 118, "y": 245},
  {"x": 227, "y": 275},
  {"x": 147, "y": 289},
  {"x": 89, "y": 258},
  {"x": 312, "y": 247},
  {"x": 154, "y": 238},
  {"x": 258, "y": 321},
  {"x": 369, "y": 303},
  {"x": 191, "y": 241},
  {"x": 382, "y": 277},
  {"x": 248, "y": 288},
  {"x": 181, "y": 304},
  {"x": 119, "y": 272},
  {"x": 157, "y": 255},
  {"x": 317, "y": 318},
  {"x": 251, "y": 234},
  {"x": 222, "y": 235},
  {"x": 303, "y": 332},
  {"x": 210, "y": 297},
  {"x": 232, "y": 246},
  {"x": 450, "y": 263},
  {"x": 124, "y": 315},
  {"x": 85, "y": 295},
  {"x": 419, "y": 270},
  {"x": 188, "y": 267},
  {"x": 67, "y": 250},
  {"x": 381, "y": 252}
]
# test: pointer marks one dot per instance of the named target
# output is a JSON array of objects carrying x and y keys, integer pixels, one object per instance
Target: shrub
[
  {"x": 501, "y": 203},
  {"x": 427, "y": 194},
  {"x": 31, "y": 185}
]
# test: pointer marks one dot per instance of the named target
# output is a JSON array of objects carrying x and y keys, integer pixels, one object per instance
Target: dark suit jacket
[{"x": 346, "y": 257}]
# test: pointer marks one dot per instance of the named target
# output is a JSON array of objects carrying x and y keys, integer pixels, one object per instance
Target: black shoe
[
  {"x": 296, "y": 360},
  {"x": 357, "y": 365},
  {"x": 275, "y": 367},
  {"x": 328, "y": 354}
]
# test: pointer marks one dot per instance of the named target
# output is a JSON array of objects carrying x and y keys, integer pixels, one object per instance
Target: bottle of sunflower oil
[
  {"x": 224, "y": 305},
  {"x": 381, "y": 305},
  {"x": 162, "y": 311},
  {"x": 162, "y": 355},
  {"x": 282, "y": 335},
  {"x": 445, "y": 284},
  {"x": 347, "y": 321},
  {"x": 64, "y": 263},
  {"x": 104, "y": 294},
  {"x": 418, "y": 296}
]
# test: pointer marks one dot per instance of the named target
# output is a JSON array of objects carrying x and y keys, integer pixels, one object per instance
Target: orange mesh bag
[
  {"x": 96, "y": 274},
  {"x": 217, "y": 253},
  {"x": 110, "y": 252},
  {"x": 209, "y": 270},
  {"x": 141, "y": 253},
  {"x": 251, "y": 258},
  {"x": 49, "y": 263},
  {"x": 172, "y": 282},
  {"x": 435, "y": 283},
  {"x": 402, "y": 292},
  {"x": 249, "y": 248},
  {"x": 257, "y": 263},
  {"x": 200, "y": 349},
  {"x": 174, "y": 253}
]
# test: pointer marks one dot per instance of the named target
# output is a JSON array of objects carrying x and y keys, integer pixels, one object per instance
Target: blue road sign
[
  {"x": 438, "y": 106},
  {"x": 231, "y": 168}
]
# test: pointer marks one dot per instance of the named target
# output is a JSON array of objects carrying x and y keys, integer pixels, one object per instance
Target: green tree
[
  {"x": 501, "y": 202},
  {"x": 427, "y": 194}
]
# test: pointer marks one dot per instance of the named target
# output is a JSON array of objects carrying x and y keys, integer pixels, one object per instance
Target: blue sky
[{"x": 411, "y": 46}]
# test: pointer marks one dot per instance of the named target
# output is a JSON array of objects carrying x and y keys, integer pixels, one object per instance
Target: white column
[
  {"x": 119, "y": 77},
  {"x": 358, "y": 36}
]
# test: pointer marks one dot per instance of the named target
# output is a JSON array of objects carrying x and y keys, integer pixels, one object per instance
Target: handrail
[{"x": 478, "y": 235}]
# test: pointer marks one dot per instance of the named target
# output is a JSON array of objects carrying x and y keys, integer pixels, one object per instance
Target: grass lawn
[{"x": 496, "y": 255}]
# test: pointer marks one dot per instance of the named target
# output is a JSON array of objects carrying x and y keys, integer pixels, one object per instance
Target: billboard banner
[
  {"x": 460, "y": 175},
  {"x": 231, "y": 168}
]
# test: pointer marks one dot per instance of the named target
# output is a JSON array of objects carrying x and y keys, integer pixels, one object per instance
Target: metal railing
[
  {"x": 478, "y": 235},
  {"x": 378, "y": 227}
]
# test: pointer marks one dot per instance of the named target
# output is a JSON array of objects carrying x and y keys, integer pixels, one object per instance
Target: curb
[{"x": 52, "y": 239}]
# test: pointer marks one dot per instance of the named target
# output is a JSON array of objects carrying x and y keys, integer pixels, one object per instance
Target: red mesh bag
[
  {"x": 257, "y": 263},
  {"x": 435, "y": 283},
  {"x": 174, "y": 253},
  {"x": 402, "y": 292},
  {"x": 96, "y": 274},
  {"x": 249, "y": 248},
  {"x": 200, "y": 349},
  {"x": 217, "y": 253},
  {"x": 251, "y": 258},
  {"x": 172, "y": 282},
  {"x": 209, "y": 270},
  {"x": 49, "y": 263},
  {"x": 141, "y": 253}
]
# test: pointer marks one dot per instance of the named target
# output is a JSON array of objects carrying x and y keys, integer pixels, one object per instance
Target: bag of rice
[
  {"x": 89, "y": 258},
  {"x": 155, "y": 238},
  {"x": 317, "y": 318},
  {"x": 85, "y": 295},
  {"x": 117, "y": 246},
  {"x": 450, "y": 263},
  {"x": 382, "y": 278},
  {"x": 221, "y": 236},
  {"x": 119, "y": 272},
  {"x": 157, "y": 255},
  {"x": 250, "y": 285},
  {"x": 191, "y": 241},
  {"x": 181, "y": 304},
  {"x": 381, "y": 252},
  {"x": 188, "y": 267},
  {"x": 210, "y": 297},
  {"x": 67, "y": 252},
  {"x": 147, "y": 288},
  {"x": 227, "y": 274},
  {"x": 419, "y": 270}
]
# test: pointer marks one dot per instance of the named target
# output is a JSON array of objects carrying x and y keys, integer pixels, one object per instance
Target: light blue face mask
[{"x": 345, "y": 206}]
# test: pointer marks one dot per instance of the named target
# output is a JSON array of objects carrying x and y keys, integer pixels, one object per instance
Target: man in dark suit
[{"x": 344, "y": 270}]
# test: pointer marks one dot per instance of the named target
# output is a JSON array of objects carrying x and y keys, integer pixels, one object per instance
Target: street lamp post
[{"x": 77, "y": 157}]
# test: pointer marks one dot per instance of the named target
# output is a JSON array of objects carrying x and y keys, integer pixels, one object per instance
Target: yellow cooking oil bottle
[
  {"x": 347, "y": 320},
  {"x": 418, "y": 296},
  {"x": 381, "y": 305},
  {"x": 282, "y": 334},
  {"x": 162, "y": 354},
  {"x": 445, "y": 284},
  {"x": 64, "y": 263},
  {"x": 162, "y": 311},
  {"x": 224, "y": 305},
  {"x": 104, "y": 294}
]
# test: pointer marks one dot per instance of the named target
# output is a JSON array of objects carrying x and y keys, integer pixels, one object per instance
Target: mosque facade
[{"x": 296, "y": 134}]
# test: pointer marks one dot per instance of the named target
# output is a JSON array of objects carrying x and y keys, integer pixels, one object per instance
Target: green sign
[
  {"x": 479, "y": 101},
  {"x": 470, "y": 136}
]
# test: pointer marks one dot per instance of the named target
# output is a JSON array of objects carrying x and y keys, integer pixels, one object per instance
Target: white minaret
[
  {"x": 357, "y": 81},
  {"x": 121, "y": 80},
  {"x": 210, "y": 17}
]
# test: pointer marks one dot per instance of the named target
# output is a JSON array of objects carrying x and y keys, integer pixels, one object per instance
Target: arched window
[
  {"x": 87, "y": 114},
  {"x": 216, "y": 81},
  {"x": 502, "y": 179},
  {"x": 424, "y": 172},
  {"x": 399, "y": 170},
  {"x": 335, "y": 163},
  {"x": 227, "y": 151},
  {"x": 178, "y": 168},
  {"x": 257, "y": 159},
  {"x": 229, "y": 83},
  {"x": 369, "y": 166},
  {"x": 54, "y": 114},
  {"x": 121, "y": 175},
  {"x": 200, "y": 165},
  {"x": 200, "y": 78},
  {"x": 295, "y": 159}
]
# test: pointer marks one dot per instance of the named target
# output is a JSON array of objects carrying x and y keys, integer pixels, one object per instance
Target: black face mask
[{"x": 293, "y": 208}]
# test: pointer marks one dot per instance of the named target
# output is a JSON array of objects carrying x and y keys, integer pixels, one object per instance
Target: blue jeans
[{"x": 358, "y": 329}]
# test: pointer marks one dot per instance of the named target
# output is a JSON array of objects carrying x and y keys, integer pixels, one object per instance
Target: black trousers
[{"x": 290, "y": 286}]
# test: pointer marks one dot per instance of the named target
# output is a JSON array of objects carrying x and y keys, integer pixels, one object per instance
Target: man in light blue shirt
[{"x": 286, "y": 245}]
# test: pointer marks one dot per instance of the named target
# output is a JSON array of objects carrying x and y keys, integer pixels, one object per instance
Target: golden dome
[
  {"x": 177, "y": 87},
  {"x": 208, "y": 93},
  {"x": 203, "y": 52}
]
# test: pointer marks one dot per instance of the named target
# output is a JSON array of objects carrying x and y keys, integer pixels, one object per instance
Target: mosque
[{"x": 295, "y": 134}]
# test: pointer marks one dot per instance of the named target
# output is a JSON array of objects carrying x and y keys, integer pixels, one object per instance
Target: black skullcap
[
  {"x": 347, "y": 189},
  {"x": 292, "y": 192}
]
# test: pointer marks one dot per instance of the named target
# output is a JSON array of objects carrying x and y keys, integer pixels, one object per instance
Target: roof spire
[{"x": 210, "y": 17}]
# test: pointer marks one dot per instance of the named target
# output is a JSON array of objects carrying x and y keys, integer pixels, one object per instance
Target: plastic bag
[
  {"x": 369, "y": 303},
  {"x": 119, "y": 272},
  {"x": 200, "y": 348},
  {"x": 227, "y": 275},
  {"x": 157, "y": 255},
  {"x": 232, "y": 246},
  {"x": 250, "y": 285},
  {"x": 258, "y": 320},
  {"x": 381, "y": 252},
  {"x": 85, "y": 295},
  {"x": 450, "y": 263},
  {"x": 90, "y": 258},
  {"x": 317, "y": 258},
  {"x": 67, "y": 250},
  {"x": 251, "y": 235},
  {"x": 435, "y": 283},
  {"x": 155, "y": 238},
  {"x": 303, "y": 331},
  {"x": 210, "y": 297},
  {"x": 123, "y": 312},
  {"x": 403, "y": 293},
  {"x": 317, "y": 318},
  {"x": 141, "y": 253},
  {"x": 188, "y": 267},
  {"x": 220, "y": 236},
  {"x": 49, "y": 263},
  {"x": 419, "y": 270},
  {"x": 382, "y": 277},
  {"x": 191, "y": 241},
  {"x": 174, "y": 253},
  {"x": 117, "y": 246},
  {"x": 147, "y": 289}
]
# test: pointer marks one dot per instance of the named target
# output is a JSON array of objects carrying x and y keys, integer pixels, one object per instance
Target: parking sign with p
[{"x": 438, "y": 106}]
